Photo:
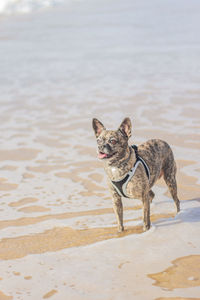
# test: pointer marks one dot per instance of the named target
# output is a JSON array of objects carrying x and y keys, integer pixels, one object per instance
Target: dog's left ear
[
  {"x": 125, "y": 127},
  {"x": 98, "y": 127}
]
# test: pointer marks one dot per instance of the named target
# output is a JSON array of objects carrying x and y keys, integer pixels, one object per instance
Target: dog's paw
[
  {"x": 146, "y": 227},
  {"x": 120, "y": 229},
  {"x": 178, "y": 208}
]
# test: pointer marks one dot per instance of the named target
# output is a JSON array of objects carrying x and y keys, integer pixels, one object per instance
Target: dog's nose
[{"x": 108, "y": 148}]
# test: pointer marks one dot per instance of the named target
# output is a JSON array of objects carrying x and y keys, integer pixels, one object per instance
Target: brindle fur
[{"x": 121, "y": 158}]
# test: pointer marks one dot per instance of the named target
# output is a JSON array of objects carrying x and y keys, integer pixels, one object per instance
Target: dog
[{"x": 132, "y": 171}]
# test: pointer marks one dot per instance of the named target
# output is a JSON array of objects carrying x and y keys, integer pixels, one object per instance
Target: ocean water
[{"x": 59, "y": 67}]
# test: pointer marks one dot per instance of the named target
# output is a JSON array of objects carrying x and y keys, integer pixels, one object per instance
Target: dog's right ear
[
  {"x": 125, "y": 127},
  {"x": 98, "y": 127}
]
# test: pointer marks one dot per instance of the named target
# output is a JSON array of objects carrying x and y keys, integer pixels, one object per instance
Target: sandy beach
[{"x": 60, "y": 67}]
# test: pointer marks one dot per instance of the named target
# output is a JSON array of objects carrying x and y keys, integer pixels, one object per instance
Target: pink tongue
[{"x": 102, "y": 155}]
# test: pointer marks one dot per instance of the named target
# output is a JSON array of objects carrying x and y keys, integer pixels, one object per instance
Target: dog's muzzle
[{"x": 105, "y": 152}]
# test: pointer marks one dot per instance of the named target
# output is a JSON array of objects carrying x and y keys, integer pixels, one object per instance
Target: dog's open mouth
[{"x": 103, "y": 155}]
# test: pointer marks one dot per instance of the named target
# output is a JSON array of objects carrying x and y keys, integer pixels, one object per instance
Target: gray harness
[{"x": 120, "y": 185}]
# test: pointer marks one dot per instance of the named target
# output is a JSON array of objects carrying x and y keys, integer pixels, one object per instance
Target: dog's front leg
[
  {"x": 118, "y": 208},
  {"x": 146, "y": 212}
]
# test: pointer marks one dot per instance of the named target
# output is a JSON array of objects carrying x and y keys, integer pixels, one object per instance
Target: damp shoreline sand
[{"x": 64, "y": 66}]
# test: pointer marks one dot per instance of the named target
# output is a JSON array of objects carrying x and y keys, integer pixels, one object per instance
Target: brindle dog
[{"x": 119, "y": 158}]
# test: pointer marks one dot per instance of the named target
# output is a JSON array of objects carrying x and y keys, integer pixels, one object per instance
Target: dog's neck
[{"x": 120, "y": 167}]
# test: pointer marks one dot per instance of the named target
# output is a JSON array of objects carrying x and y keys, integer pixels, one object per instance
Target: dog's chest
[
  {"x": 134, "y": 187},
  {"x": 115, "y": 173}
]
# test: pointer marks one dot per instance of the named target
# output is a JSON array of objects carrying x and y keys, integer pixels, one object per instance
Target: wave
[{"x": 9, "y": 7}]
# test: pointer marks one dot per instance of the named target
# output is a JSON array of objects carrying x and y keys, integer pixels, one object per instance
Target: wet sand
[
  {"x": 65, "y": 66},
  {"x": 183, "y": 274}
]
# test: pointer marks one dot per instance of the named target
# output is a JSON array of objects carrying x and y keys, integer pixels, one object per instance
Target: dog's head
[{"x": 112, "y": 144}]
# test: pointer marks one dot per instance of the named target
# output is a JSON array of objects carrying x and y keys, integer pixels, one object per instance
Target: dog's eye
[{"x": 113, "y": 142}]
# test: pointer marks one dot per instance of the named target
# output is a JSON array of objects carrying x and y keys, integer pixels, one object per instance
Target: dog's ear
[
  {"x": 98, "y": 127},
  {"x": 125, "y": 127}
]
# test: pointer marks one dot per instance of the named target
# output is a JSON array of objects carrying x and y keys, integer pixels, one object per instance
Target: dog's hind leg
[
  {"x": 172, "y": 185},
  {"x": 170, "y": 178}
]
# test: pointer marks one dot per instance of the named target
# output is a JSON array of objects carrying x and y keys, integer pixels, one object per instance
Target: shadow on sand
[{"x": 188, "y": 214}]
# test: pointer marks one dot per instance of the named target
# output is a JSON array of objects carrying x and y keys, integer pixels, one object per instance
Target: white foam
[{"x": 25, "y": 6}]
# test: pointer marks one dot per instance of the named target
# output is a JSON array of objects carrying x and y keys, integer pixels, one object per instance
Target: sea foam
[{"x": 25, "y": 6}]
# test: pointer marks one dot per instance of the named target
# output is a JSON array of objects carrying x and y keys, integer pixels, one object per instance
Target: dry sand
[{"x": 105, "y": 59}]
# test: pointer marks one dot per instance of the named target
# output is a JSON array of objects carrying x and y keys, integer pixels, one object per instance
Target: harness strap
[
  {"x": 121, "y": 185},
  {"x": 142, "y": 160},
  {"x": 118, "y": 185}
]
